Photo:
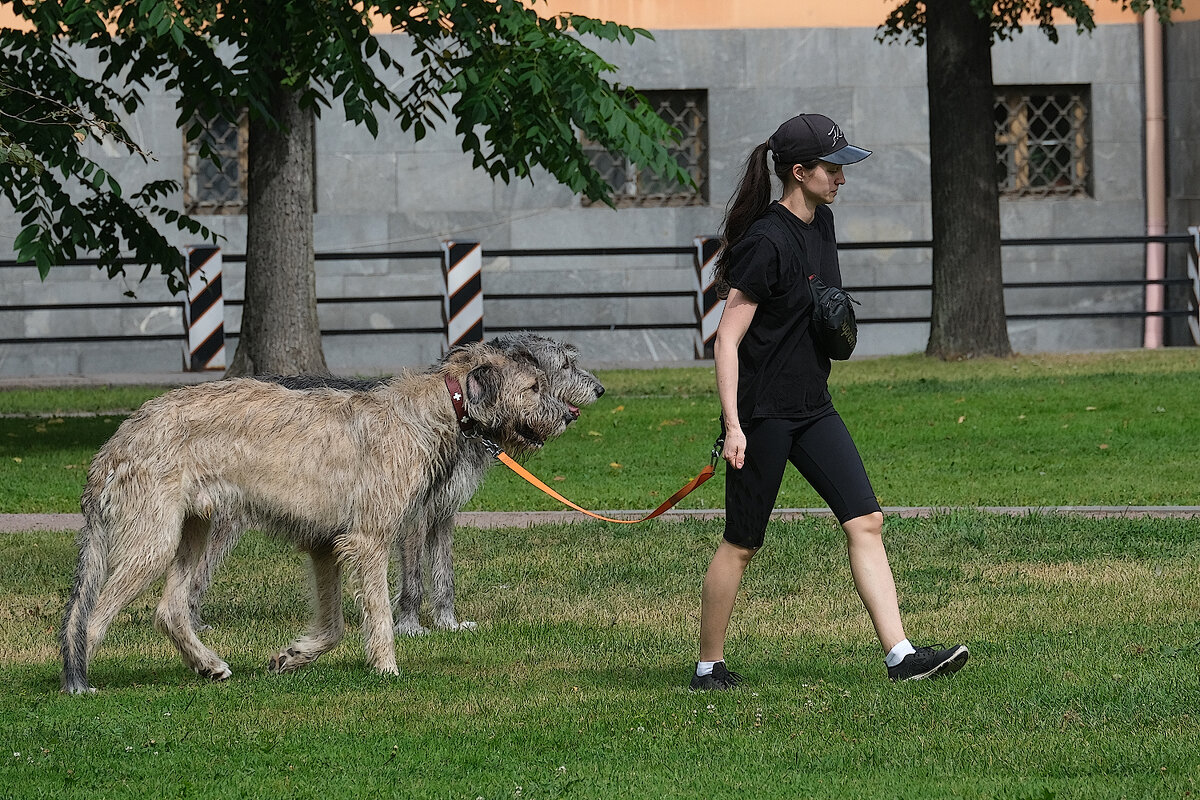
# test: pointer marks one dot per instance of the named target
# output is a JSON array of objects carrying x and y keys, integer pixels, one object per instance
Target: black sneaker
[
  {"x": 720, "y": 679},
  {"x": 929, "y": 662}
]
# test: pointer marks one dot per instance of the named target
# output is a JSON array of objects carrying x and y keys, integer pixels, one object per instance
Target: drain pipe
[{"x": 1156, "y": 180}]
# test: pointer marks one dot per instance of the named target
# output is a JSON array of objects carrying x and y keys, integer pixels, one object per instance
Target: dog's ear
[
  {"x": 483, "y": 384},
  {"x": 460, "y": 353}
]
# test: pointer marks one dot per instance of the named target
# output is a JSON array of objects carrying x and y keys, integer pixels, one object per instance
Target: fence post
[
  {"x": 1194, "y": 274},
  {"x": 462, "y": 307},
  {"x": 204, "y": 311},
  {"x": 708, "y": 305}
]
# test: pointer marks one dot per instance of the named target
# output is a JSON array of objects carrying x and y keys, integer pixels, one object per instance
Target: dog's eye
[{"x": 533, "y": 388}]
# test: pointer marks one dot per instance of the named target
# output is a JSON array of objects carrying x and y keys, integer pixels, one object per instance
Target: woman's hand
[{"x": 734, "y": 451}]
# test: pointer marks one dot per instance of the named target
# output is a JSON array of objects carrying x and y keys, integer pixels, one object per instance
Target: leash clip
[
  {"x": 717, "y": 448},
  {"x": 494, "y": 450}
]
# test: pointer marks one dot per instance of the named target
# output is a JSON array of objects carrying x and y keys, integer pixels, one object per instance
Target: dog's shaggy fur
[
  {"x": 342, "y": 474},
  {"x": 435, "y": 529},
  {"x": 432, "y": 531}
]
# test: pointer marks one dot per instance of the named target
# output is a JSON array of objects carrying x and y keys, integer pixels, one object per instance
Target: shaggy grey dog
[
  {"x": 342, "y": 474},
  {"x": 431, "y": 533}
]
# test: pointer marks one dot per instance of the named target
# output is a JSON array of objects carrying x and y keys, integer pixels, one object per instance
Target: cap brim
[{"x": 847, "y": 155}]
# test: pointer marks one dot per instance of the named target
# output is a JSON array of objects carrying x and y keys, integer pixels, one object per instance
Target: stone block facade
[{"x": 394, "y": 194}]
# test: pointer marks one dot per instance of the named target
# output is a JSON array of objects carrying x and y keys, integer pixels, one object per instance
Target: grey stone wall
[
  {"x": 391, "y": 193},
  {"x": 1182, "y": 43}
]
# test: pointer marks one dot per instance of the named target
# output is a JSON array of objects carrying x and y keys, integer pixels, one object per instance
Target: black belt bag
[{"x": 834, "y": 327}]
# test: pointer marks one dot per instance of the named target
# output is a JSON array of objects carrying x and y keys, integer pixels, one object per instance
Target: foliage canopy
[
  {"x": 1007, "y": 17},
  {"x": 522, "y": 87}
]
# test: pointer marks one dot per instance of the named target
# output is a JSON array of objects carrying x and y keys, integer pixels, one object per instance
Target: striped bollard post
[
  {"x": 1193, "y": 268},
  {"x": 708, "y": 305},
  {"x": 204, "y": 311},
  {"x": 462, "y": 307}
]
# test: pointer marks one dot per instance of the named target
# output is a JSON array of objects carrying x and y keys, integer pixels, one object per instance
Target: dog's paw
[
  {"x": 220, "y": 672},
  {"x": 79, "y": 689},
  {"x": 286, "y": 661},
  {"x": 410, "y": 629},
  {"x": 452, "y": 624}
]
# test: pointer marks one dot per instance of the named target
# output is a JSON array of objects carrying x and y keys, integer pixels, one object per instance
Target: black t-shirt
[{"x": 781, "y": 373}]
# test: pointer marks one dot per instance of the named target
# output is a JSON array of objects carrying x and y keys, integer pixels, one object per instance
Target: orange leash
[{"x": 692, "y": 485}]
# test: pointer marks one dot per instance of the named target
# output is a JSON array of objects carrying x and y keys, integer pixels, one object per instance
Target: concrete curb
[{"x": 15, "y": 523}]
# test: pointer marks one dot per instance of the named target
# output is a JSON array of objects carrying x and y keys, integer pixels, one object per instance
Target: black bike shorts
[{"x": 820, "y": 448}]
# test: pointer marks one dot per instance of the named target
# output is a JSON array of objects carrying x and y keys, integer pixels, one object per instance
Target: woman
[{"x": 775, "y": 402}]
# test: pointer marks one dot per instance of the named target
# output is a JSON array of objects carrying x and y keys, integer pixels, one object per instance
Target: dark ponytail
[{"x": 749, "y": 202}]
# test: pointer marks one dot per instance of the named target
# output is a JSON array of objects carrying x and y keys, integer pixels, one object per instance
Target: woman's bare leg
[
  {"x": 873, "y": 577},
  {"x": 721, "y": 584}
]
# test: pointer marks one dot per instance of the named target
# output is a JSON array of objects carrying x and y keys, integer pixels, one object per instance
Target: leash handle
[{"x": 691, "y": 486}]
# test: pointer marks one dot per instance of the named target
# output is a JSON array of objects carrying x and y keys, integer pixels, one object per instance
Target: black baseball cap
[{"x": 812, "y": 137}]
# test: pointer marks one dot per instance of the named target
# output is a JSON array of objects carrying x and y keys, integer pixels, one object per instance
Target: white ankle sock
[
  {"x": 897, "y": 653},
  {"x": 705, "y": 667}
]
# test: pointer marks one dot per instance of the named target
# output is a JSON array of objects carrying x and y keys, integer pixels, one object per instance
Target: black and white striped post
[
  {"x": 462, "y": 309},
  {"x": 708, "y": 305},
  {"x": 204, "y": 311},
  {"x": 1193, "y": 268}
]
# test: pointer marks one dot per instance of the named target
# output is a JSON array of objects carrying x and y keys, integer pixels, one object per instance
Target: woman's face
[{"x": 820, "y": 184}]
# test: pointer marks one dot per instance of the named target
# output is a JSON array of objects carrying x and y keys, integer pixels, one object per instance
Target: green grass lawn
[
  {"x": 1105, "y": 429},
  {"x": 1083, "y": 680}
]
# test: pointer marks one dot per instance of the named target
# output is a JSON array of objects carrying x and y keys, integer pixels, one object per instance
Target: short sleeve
[{"x": 755, "y": 268}]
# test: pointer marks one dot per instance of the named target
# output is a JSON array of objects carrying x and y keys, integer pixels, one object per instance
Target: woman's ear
[{"x": 798, "y": 173}]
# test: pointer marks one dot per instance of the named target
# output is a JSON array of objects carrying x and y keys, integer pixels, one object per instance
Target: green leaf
[{"x": 26, "y": 235}]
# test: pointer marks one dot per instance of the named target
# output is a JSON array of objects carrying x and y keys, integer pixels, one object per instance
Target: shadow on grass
[{"x": 36, "y": 437}]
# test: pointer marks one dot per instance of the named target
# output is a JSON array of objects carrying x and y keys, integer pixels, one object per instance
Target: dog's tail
[{"x": 90, "y": 574}]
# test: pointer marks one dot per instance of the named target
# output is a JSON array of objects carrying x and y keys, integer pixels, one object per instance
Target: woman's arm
[{"x": 735, "y": 321}]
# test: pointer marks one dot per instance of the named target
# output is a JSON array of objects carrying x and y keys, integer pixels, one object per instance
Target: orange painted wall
[
  {"x": 719, "y": 14},
  {"x": 9, "y": 20},
  {"x": 692, "y": 14}
]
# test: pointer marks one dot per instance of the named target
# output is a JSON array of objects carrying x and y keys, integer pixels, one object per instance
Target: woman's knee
[
  {"x": 866, "y": 525},
  {"x": 736, "y": 552}
]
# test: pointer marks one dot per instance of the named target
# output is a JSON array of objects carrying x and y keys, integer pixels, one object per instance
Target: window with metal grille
[
  {"x": 1043, "y": 141},
  {"x": 687, "y": 111},
  {"x": 217, "y": 188}
]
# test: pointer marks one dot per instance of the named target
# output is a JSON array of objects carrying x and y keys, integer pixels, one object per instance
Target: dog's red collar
[{"x": 460, "y": 407}]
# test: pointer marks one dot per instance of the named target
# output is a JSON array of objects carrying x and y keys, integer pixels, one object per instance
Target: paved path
[{"x": 12, "y": 523}]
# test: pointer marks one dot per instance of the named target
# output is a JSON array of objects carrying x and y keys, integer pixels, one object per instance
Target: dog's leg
[
  {"x": 408, "y": 601},
  {"x": 224, "y": 532},
  {"x": 139, "y": 554},
  {"x": 371, "y": 563},
  {"x": 441, "y": 576},
  {"x": 173, "y": 617},
  {"x": 329, "y": 623}
]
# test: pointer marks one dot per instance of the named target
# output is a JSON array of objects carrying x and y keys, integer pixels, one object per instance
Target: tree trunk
[
  {"x": 968, "y": 294},
  {"x": 280, "y": 333}
]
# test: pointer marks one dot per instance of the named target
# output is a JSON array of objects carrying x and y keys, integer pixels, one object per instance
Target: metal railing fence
[{"x": 695, "y": 298}]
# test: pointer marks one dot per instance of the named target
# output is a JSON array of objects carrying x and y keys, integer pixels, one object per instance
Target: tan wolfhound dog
[
  {"x": 433, "y": 532},
  {"x": 339, "y": 473}
]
